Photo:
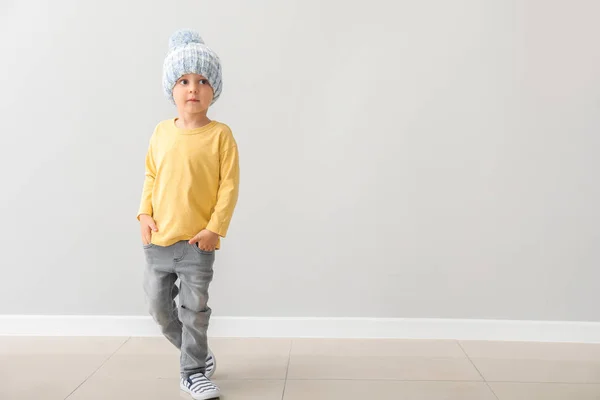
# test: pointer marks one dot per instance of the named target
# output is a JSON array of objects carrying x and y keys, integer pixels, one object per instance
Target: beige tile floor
[{"x": 316, "y": 369}]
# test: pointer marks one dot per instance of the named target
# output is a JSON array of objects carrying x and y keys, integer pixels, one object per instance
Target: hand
[
  {"x": 207, "y": 240},
  {"x": 147, "y": 226}
]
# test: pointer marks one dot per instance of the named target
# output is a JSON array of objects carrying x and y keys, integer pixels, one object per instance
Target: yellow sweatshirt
[{"x": 192, "y": 181}]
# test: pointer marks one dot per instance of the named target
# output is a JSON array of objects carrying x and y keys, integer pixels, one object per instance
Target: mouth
[{"x": 193, "y": 101}]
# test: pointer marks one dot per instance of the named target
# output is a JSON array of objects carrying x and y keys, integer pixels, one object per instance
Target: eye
[
  {"x": 203, "y": 81},
  {"x": 183, "y": 82}
]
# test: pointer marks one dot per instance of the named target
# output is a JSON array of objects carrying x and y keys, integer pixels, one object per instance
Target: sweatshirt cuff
[
  {"x": 216, "y": 228},
  {"x": 144, "y": 211}
]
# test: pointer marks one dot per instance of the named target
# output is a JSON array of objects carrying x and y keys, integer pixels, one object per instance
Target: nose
[{"x": 193, "y": 88}]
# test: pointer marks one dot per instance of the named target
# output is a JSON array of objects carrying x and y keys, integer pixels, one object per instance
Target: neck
[{"x": 192, "y": 121}]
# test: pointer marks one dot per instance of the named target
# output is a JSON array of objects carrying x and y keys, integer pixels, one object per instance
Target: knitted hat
[{"x": 188, "y": 54}]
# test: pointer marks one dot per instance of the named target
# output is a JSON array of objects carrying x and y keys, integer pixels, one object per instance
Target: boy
[{"x": 189, "y": 194}]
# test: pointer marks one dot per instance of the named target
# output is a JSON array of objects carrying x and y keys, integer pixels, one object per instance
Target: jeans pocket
[{"x": 202, "y": 252}]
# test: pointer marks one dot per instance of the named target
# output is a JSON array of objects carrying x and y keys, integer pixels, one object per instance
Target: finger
[
  {"x": 193, "y": 240},
  {"x": 152, "y": 226}
]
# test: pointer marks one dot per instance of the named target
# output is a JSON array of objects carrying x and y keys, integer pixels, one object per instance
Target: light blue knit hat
[{"x": 188, "y": 54}]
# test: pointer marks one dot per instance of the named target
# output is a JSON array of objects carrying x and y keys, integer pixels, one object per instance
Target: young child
[{"x": 189, "y": 194}]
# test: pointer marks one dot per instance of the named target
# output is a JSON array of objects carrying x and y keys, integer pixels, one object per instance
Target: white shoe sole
[{"x": 213, "y": 394}]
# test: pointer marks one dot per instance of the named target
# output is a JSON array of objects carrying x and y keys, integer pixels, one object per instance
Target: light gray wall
[{"x": 399, "y": 159}]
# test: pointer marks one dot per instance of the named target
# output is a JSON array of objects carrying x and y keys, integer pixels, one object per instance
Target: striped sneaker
[
  {"x": 211, "y": 364},
  {"x": 199, "y": 387}
]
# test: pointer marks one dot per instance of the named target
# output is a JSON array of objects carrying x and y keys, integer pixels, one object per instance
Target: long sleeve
[
  {"x": 146, "y": 202},
  {"x": 192, "y": 179},
  {"x": 227, "y": 195}
]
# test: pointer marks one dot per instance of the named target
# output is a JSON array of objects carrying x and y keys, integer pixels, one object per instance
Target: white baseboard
[{"x": 400, "y": 328}]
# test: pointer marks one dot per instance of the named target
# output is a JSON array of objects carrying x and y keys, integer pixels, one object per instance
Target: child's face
[{"x": 192, "y": 94}]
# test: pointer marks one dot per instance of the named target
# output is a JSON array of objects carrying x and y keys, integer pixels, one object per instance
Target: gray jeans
[{"x": 187, "y": 325}]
